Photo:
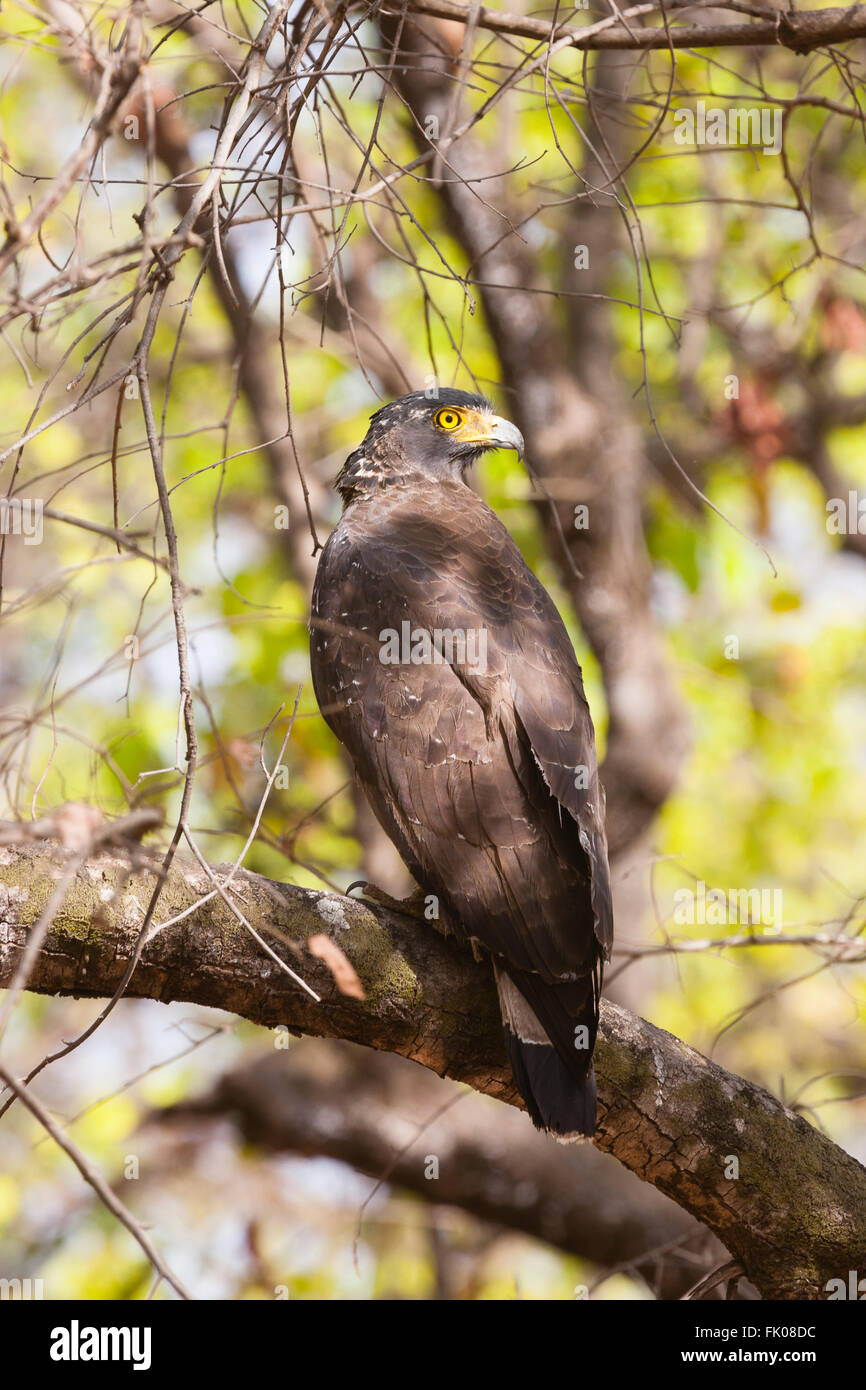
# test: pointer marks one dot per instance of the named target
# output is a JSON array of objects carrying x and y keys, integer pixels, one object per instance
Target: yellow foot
[{"x": 413, "y": 906}]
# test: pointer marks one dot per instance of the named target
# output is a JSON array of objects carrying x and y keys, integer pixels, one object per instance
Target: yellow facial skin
[{"x": 478, "y": 427}]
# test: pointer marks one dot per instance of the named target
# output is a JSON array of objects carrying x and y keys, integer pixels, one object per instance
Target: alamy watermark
[
  {"x": 21, "y": 1290},
  {"x": 854, "y": 1288},
  {"x": 419, "y": 646},
  {"x": 77, "y": 1343},
  {"x": 846, "y": 516},
  {"x": 22, "y": 516},
  {"x": 734, "y": 125},
  {"x": 720, "y": 907}
]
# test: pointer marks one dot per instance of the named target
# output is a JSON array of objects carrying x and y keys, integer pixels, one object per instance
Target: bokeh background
[{"x": 695, "y": 378}]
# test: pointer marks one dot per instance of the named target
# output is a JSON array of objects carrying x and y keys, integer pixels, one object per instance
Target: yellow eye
[{"x": 448, "y": 419}]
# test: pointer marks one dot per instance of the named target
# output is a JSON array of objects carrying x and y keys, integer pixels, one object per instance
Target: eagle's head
[{"x": 432, "y": 437}]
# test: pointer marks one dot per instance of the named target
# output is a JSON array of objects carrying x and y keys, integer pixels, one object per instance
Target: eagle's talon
[{"x": 413, "y": 906}]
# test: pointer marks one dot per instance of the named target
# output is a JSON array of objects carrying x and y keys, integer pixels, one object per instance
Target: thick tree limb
[{"x": 794, "y": 1217}]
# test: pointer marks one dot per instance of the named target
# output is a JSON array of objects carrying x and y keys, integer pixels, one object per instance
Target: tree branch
[
  {"x": 799, "y": 30},
  {"x": 794, "y": 1217}
]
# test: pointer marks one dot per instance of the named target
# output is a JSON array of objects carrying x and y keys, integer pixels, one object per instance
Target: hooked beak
[
  {"x": 504, "y": 435},
  {"x": 492, "y": 432}
]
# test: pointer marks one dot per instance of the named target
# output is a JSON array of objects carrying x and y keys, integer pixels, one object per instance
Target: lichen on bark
[{"x": 794, "y": 1217}]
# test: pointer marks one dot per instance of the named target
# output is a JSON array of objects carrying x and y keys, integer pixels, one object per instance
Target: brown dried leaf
[
  {"x": 843, "y": 328},
  {"x": 756, "y": 422},
  {"x": 342, "y": 969}
]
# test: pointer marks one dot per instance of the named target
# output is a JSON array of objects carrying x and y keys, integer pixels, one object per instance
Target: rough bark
[{"x": 794, "y": 1217}]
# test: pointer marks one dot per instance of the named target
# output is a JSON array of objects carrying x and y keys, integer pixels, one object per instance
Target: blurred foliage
[{"x": 771, "y": 797}]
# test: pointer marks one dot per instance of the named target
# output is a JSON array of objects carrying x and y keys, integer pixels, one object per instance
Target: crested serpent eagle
[{"x": 443, "y": 666}]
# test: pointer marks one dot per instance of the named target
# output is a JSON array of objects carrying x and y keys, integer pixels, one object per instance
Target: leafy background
[{"x": 771, "y": 795}]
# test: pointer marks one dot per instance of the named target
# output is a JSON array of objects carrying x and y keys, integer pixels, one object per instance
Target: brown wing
[{"x": 469, "y": 770}]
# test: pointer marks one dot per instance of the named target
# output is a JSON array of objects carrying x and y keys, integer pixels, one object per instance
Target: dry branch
[
  {"x": 794, "y": 1217},
  {"x": 800, "y": 30}
]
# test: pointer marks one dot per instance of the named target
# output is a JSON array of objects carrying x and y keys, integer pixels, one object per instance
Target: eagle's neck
[
  {"x": 370, "y": 469},
  {"x": 364, "y": 471}
]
